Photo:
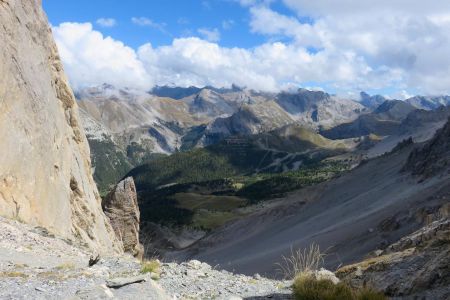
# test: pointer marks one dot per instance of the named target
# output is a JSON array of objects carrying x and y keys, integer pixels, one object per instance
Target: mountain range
[
  {"x": 133, "y": 127},
  {"x": 96, "y": 186}
]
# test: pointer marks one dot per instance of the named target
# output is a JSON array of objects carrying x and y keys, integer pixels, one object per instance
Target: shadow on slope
[{"x": 367, "y": 209}]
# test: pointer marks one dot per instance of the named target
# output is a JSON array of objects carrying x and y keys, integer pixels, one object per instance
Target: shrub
[{"x": 307, "y": 287}]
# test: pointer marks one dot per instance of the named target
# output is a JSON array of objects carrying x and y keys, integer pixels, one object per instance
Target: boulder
[{"x": 122, "y": 209}]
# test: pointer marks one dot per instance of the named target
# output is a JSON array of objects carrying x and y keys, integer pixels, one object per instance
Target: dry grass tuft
[
  {"x": 151, "y": 266},
  {"x": 13, "y": 274},
  {"x": 301, "y": 261},
  {"x": 369, "y": 294},
  {"x": 306, "y": 287}
]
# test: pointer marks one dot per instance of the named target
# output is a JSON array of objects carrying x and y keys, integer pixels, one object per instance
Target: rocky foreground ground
[{"x": 36, "y": 265}]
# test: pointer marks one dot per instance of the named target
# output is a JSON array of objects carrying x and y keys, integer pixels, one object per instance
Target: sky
[{"x": 396, "y": 48}]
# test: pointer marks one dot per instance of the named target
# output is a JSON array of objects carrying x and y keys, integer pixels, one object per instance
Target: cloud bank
[{"x": 356, "y": 45}]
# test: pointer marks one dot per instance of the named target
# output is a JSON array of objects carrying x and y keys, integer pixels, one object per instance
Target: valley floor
[{"x": 36, "y": 265}]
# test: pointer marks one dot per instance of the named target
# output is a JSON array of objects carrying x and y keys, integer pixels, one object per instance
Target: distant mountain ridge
[
  {"x": 140, "y": 125},
  {"x": 183, "y": 92},
  {"x": 225, "y": 111},
  {"x": 429, "y": 102},
  {"x": 384, "y": 120}
]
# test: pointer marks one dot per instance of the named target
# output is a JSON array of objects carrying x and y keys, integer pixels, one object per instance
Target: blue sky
[
  {"x": 177, "y": 18},
  {"x": 395, "y": 48}
]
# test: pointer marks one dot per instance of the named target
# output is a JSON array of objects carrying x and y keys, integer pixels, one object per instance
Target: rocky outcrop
[
  {"x": 45, "y": 170},
  {"x": 415, "y": 267},
  {"x": 433, "y": 157},
  {"x": 121, "y": 207},
  {"x": 385, "y": 120},
  {"x": 317, "y": 109}
]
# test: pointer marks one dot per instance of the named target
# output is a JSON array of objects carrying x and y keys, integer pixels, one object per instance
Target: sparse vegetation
[
  {"x": 195, "y": 201},
  {"x": 368, "y": 294},
  {"x": 268, "y": 186},
  {"x": 13, "y": 274},
  {"x": 208, "y": 220},
  {"x": 179, "y": 203},
  {"x": 307, "y": 287},
  {"x": 110, "y": 164},
  {"x": 66, "y": 266},
  {"x": 301, "y": 261},
  {"x": 151, "y": 266},
  {"x": 311, "y": 284}
]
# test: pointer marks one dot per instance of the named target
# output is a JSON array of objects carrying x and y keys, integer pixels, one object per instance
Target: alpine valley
[
  {"x": 237, "y": 178},
  {"x": 215, "y": 192}
]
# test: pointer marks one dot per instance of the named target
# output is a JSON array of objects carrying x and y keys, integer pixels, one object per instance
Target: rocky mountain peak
[
  {"x": 174, "y": 92},
  {"x": 429, "y": 102},
  {"x": 371, "y": 101},
  {"x": 394, "y": 109}
]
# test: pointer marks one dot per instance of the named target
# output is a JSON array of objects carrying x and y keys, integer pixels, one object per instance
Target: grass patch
[
  {"x": 150, "y": 266},
  {"x": 13, "y": 274},
  {"x": 378, "y": 262},
  {"x": 209, "y": 220},
  {"x": 193, "y": 201},
  {"x": 306, "y": 287}
]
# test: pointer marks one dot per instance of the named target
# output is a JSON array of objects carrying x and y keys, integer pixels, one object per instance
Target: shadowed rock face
[
  {"x": 45, "y": 169},
  {"x": 415, "y": 267},
  {"x": 433, "y": 157},
  {"x": 384, "y": 120},
  {"x": 121, "y": 207}
]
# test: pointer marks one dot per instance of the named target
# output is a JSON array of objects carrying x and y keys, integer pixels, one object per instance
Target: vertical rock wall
[{"x": 45, "y": 172}]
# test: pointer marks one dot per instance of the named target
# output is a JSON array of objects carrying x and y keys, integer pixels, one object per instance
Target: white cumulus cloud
[
  {"x": 354, "y": 45},
  {"x": 405, "y": 39},
  {"x": 92, "y": 59}
]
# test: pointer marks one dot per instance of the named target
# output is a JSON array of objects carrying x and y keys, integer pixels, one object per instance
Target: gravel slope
[
  {"x": 37, "y": 265},
  {"x": 366, "y": 209}
]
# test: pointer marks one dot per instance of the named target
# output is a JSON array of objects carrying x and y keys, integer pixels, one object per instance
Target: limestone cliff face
[
  {"x": 121, "y": 207},
  {"x": 45, "y": 176}
]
